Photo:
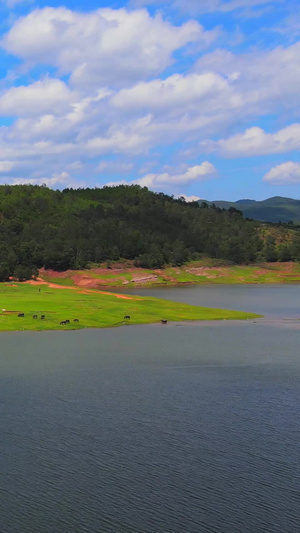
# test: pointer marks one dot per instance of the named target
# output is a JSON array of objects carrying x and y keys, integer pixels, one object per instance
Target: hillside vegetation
[{"x": 71, "y": 229}]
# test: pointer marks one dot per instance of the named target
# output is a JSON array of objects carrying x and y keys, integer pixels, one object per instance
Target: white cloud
[
  {"x": 283, "y": 174},
  {"x": 13, "y": 3},
  {"x": 103, "y": 46},
  {"x": 169, "y": 182},
  {"x": 6, "y": 166},
  {"x": 176, "y": 90},
  {"x": 117, "y": 142},
  {"x": 111, "y": 105},
  {"x": 57, "y": 180},
  {"x": 255, "y": 141},
  {"x": 264, "y": 82},
  {"x": 76, "y": 120},
  {"x": 44, "y": 96},
  {"x": 189, "y": 198},
  {"x": 114, "y": 167},
  {"x": 193, "y": 174},
  {"x": 75, "y": 165},
  {"x": 290, "y": 27},
  {"x": 179, "y": 107},
  {"x": 224, "y": 90}
]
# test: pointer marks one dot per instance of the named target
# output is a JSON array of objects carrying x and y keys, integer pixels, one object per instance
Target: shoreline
[
  {"x": 260, "y": 321},
  {"x": 126, "y": 278},
  {"x": 170, "y": 324},
  {"x": 87, "y": 308},
  {"x": 284, "y": 323}
]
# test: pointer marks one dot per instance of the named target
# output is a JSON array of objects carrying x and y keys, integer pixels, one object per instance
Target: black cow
[
  {"x": 127, "y": 316},
  {"x": 67, "y": 321},
  {"x": 21, "y": 314},
  {"x": 43, "y": 317},
  {"x": 75, "y": 320},
  {"x": 34, "y": 316},
  {"x": 63, "y": 322},
  {"x": 164, "y": 321}
]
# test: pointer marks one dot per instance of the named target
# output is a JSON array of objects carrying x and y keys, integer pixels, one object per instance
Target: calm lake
[{"x": 184, "y": 428}]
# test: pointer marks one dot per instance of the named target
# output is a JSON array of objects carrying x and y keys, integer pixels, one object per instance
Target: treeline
[{"x": 66, "y": 229}]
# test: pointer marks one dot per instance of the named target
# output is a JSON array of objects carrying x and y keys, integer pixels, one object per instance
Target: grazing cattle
[
  {"x": 67, "y": 321},
  {"x": 21, "y": 314},
  {"x": 43, "y": 317},
  {"x": 34, "y": 316},
  {"x": 164, "y": 321},
  {"x": 127, "y": 316},
  {"x": 63, "y": 322},
  {"x": 75, "y": 320}
]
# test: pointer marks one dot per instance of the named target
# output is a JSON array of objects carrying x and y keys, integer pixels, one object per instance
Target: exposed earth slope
[{"x": 196, "y": 272}]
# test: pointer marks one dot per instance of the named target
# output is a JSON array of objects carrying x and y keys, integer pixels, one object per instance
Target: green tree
[{"x": 4, "y": 272}]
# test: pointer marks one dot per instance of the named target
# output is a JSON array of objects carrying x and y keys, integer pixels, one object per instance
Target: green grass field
[{"x": 92, "y": 309}]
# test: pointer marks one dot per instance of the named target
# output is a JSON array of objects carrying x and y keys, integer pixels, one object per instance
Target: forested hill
[
  {"x": 68, "y": 229},
  {"x": 276, "y": 209}
]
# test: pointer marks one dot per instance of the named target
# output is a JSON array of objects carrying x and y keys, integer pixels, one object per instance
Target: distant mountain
[
  {"x": 274, "y": 209},
  {"x": 245, "y": 201}
]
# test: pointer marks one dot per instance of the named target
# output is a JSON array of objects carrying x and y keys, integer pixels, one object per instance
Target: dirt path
[{"x": 40, "y": 281}]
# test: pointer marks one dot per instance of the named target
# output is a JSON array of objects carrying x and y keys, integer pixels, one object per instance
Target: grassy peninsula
[{"x": 92, "y": 309}]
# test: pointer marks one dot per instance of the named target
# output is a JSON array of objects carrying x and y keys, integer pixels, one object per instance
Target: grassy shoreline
[{"x": 92, "y": 309}]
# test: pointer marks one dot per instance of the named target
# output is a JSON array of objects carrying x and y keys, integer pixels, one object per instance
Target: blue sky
[{"x": 190, "y": 97}]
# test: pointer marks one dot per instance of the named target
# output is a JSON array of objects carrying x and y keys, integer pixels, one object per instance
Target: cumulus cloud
[
  {"x": 117, "y": 142},
  {"x": 107, "y": 104},
  {"x": 176, "y": 90},
  {"x": 284, "y": 174},
  {"x": 167, "y": 182},
  {"x": 57, "y": 180},
  {"x": 179, "y": 106},
  {"x": 224, "y": 89},
  {"x": 255, "y": 141},
  {"x": 43, "y": 96},
  {"x": 103, "y": 46},
  {"x": 193, "y": 174},
  {"x": 269, "y": 79}
]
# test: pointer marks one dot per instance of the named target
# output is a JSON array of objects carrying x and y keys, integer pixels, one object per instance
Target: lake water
[
  {"x": 273, "y": 301},
  {"x": 156, "y": 429}
]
